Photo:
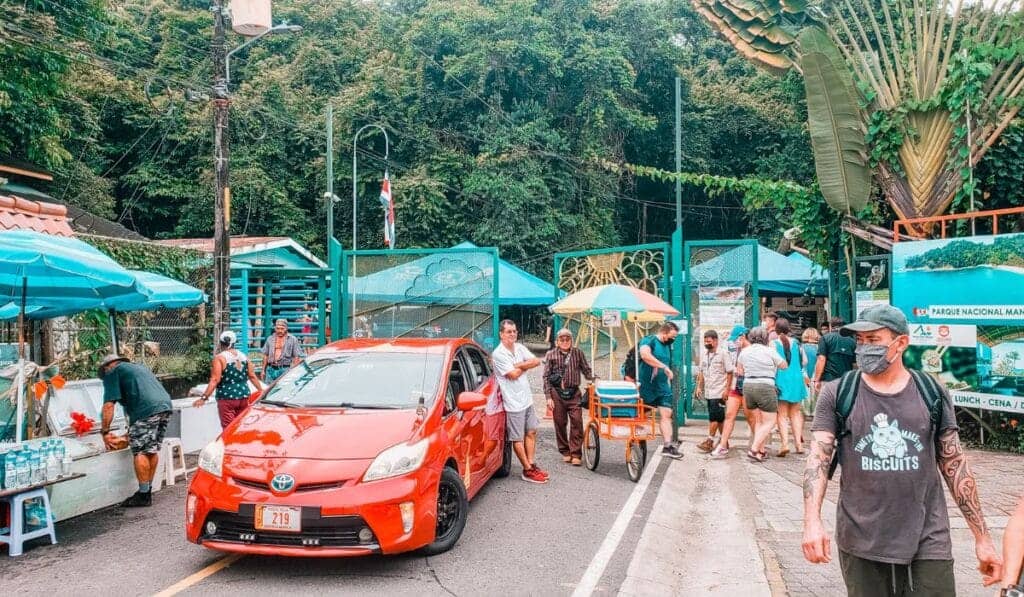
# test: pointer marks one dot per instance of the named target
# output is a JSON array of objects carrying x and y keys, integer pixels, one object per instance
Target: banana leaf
[{"x": 835, "y": 124}]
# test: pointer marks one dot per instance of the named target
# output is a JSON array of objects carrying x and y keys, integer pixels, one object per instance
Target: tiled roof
[{"x": 22, "y": 214}]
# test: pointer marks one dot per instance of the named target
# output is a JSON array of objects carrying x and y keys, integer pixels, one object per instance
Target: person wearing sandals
[
  {"x": 738, "y": 342},
  {"x": 810, "y": 339},
  {"x": 758, "y": 365},
  {"x": 564, "y": 366},
  {"x": 791, "y": 383}
]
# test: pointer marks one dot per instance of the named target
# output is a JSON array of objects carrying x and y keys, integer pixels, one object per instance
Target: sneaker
[
  {"x": 671, "y": 451},
  {"x": 534, "y": 476},
  {"x": 139, "y": 500},
  {"x": 720, "y": 452},
  {"x": 706, "y": 445},
  {"x": 540, "y": 471}
]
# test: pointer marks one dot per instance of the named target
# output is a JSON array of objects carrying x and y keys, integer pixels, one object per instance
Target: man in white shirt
[{"x": 511, "y": 361}]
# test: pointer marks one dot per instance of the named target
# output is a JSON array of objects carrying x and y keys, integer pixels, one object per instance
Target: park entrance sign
[{"x": 965, "y": 301}]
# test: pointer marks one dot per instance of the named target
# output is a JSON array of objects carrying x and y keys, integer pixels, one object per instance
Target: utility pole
[{"x": 222, "y": 198}]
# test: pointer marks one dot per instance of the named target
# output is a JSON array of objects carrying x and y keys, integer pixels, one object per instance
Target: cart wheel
[
  {"x": 636, "y": 458},
  {"x": 592, "y": 446}
]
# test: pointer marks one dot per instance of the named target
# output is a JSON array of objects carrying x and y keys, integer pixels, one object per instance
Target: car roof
[{"x": 414, "y": 345}]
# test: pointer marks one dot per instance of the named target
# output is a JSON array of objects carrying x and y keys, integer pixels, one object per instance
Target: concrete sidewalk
[
  {"x": 700, "y": 538},
  {"x": 734, "y": 527}
]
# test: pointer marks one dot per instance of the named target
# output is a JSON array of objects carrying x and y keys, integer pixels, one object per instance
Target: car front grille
[
  {"x": 329, "y": 531},
  {"x": 262, "y": 486}
]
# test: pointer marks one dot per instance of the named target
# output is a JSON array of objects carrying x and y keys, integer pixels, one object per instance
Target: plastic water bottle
[
  {"x": 38, "y": 467},
  {"x": 52, "y": 464},
  {"x": 24, "y": 473},
  {"x": 10, "y": 471},
  {"x": 65, "y": 465}
]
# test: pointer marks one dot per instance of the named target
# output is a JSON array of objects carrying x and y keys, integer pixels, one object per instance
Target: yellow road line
[{"x": 213, "y": 568}]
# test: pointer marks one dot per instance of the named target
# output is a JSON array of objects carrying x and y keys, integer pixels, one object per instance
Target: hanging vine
[{"x": 801, "y": 206}]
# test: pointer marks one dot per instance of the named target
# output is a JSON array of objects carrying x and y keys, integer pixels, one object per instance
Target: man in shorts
[
  {"x": 655, "y": 376},
  {"x": 714, "y": 379},
  {"x": 148, "y": 407},
  {"x": 511, "y": 361}
]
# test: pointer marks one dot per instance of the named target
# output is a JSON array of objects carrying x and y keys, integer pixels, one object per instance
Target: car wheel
[
  {"x": 506, "y": 462},
  {"x": 452, "y": 509}
]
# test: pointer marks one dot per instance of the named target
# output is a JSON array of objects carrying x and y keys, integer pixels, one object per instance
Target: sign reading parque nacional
[{"x": 965, "y": 302}]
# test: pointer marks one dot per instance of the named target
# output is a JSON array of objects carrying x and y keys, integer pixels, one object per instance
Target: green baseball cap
[{"x": 876, "y": 318}]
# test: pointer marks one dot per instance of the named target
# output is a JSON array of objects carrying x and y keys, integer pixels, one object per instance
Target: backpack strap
[
  {"x": 846, "y": 395},
  {"x": 932, "y": 394}
]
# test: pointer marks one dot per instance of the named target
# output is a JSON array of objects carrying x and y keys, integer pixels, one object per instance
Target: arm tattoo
[
  {"x": 816, "y": 471},
  {"x": 960, "y": 479}
]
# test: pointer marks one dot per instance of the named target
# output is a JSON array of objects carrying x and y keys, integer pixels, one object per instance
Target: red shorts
[{"x": 494, "y": 426}]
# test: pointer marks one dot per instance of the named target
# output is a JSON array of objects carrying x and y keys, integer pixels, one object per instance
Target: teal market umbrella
[
  {"x": 150, "y": 292},
  {"x": 48, "y": 270}
]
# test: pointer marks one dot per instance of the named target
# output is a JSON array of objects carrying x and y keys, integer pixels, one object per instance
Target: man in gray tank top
[{"x": 892, "y": 527}]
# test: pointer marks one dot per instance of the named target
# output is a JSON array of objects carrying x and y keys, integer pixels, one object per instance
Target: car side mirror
[{"x": 471, "y": 401}]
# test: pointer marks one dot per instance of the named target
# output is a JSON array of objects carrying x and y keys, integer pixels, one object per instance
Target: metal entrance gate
[
  {"x": 420, "y": 293},
  {"x": 642, "y": 266},
  {"x": 720, "y": 291}
]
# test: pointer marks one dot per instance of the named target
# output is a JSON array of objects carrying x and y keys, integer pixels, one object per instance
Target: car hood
[{"x": 318, "y": 434}]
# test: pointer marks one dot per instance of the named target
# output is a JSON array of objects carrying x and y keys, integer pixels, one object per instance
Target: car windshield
[{"x": 367, "y": 379}]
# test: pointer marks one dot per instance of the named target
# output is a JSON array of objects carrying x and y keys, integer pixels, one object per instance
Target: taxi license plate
[{"x": 279, "y": 518}]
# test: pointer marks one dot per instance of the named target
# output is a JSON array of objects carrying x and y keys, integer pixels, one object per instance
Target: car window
[
  {"x": 354, "y": 379},
  {"x": 456, "y": 386},
  {"x": 480, "y": 365}
]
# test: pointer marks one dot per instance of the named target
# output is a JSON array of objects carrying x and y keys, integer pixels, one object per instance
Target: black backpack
[
  {"x": 846, "y": 395},
  {"x": 629, "y": 365}
]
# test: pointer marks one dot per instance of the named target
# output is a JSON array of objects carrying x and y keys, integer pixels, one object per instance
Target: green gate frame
[
  {"x": 341, "y": 297},
  {"x": 690, "y": 378}
]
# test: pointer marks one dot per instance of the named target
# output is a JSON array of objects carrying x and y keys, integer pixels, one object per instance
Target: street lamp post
[
  {"x": 355, "y": 194},
  {"x": 355, "y": 178},
  {"x": 222, "y": 197}
]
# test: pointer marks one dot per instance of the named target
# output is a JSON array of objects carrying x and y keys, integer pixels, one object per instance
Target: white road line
[{"x": 611, "y": 541}]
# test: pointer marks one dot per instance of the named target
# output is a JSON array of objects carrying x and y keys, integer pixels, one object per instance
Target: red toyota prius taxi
[{"x": 368, "y": 446}]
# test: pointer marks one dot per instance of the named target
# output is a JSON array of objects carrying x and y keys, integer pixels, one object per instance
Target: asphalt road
[{"x": 521, "y": 539}]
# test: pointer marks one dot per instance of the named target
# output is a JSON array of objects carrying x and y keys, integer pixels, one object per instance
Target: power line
[
  {"x": 113, "y": 27},
  {"x": 101, "y": 62}
]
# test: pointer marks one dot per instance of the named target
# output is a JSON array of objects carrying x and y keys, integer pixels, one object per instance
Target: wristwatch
[{"x": 1012, "y": 591}]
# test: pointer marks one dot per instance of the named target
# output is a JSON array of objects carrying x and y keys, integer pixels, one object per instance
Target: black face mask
[
  {"x": 709, "y": 346},
  {"x": 668, "y": 342}
]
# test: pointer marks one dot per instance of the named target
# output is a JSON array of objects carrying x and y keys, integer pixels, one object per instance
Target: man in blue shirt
[{"x": 655, "y": 377}]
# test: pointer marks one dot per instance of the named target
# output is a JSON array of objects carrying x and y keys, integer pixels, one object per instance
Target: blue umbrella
[
  {"x": 151, "y": 291},
  {"x": 54, "y": 270},
  {"x": 157, "y": 292}
]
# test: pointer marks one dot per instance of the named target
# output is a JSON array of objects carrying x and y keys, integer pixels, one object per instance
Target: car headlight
[
  {"x": 397, "y": 460},
  {"x": 211, "y": 459}
]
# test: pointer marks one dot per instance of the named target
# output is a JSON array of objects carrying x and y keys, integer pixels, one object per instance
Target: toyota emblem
[{"x": 282, "y": 483}]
